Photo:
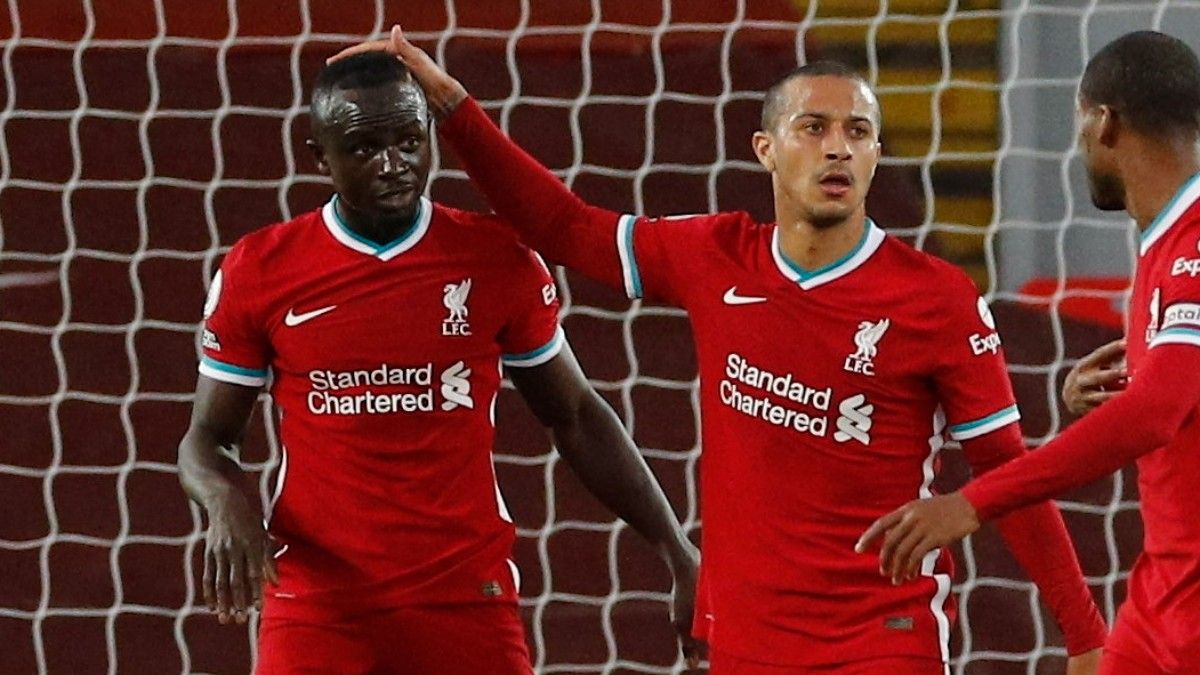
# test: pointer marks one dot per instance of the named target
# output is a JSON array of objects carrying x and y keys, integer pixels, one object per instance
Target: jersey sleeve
[
  {"x": 532, "y": 335},
  {"x": 235, "y": 346},
  {"x": 1179, "y": 300},
  {"x": 970, "y": 377},
  {"x": 660, "y": 256}
]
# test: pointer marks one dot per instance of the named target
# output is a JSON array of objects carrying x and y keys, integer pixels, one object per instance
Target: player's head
[
  {"x": 1144, "y": 85},
  {"x": 820, "y": 141},
  {"x": 370, "y": 134}
]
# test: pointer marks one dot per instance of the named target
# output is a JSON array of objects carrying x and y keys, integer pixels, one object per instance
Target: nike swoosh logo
[
  {"x": 293, "y": 319},
  {"x": 732, "y": 298}
]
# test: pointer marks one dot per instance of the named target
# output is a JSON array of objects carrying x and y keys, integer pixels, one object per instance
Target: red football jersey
[
  {"x": 384, "y": 362},
  {"x": 825, "y": 396},
  {"x": 1164, "y": 588}
]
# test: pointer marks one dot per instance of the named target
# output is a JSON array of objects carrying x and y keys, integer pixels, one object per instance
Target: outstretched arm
[
  {"x": 591, "y": 439},
  {"x": 235, "y": 552},
  {"x": 547, "y": 215},
  {"x": 1038, "y": 539},
  {"x": 1145, "y": 417}
]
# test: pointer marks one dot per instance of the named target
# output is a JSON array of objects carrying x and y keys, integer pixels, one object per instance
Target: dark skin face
[
  {"x": 1097, "y": 133},
  {"x": 374, "y": 144}
]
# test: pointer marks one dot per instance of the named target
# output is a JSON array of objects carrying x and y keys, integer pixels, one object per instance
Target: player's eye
[
  {"x": 365, "y": 149},
  {"x": 410, "y": 143},
  {"x": 859, "y": 132},
  {"x": 814, "y": 128}
]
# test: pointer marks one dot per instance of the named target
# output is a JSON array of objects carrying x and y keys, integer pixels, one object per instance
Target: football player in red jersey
[
  {"x": 1138, "y": 109},
  {"x": 829, "y": 375},
  {"x": 380, "y": 323}
]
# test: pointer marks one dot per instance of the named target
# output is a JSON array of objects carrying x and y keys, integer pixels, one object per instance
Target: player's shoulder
[
  {"x": 486, "y": 236},
  {"x": 730, "y": 232},
  {"x": 266, "y": 243},
  {"x": 937, "y": 285}
]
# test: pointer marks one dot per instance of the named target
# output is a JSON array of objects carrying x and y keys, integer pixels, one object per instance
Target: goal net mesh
[{"x": 140, "y": 139}]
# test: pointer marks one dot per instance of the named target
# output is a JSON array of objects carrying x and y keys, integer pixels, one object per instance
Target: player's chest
[
  {"x": 370, "y": 311},
  {"x": 873, "y": 340}
]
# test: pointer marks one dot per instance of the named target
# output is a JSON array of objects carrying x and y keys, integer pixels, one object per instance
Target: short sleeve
[
  {"x": 971, "y": 378},
  {"x": 235, "y": 346},
  {"x": 659, "y": 256},
  {"x": 1177, "y": 302},
  {"x": 532, "y": 336}
]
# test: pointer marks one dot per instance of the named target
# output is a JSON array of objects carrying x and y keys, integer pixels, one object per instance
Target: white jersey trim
[
  {"x": 937, "y": 604},
  {"x": 1183, "y": 200},
  {"x": 226, "y": 372},
  {"x": 629, "y": 267},
  {"x": 538, "y": 356},
  {"x": 1176, "y": 336},
  {"x": 985, "y": 425},
  {"x": 384, "y": 252},
  {"x": 872, "y": 238},
  {"x": 279, "y": 483}
]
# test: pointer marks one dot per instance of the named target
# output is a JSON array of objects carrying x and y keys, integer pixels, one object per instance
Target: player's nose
[{"x": 393, "y": 163}]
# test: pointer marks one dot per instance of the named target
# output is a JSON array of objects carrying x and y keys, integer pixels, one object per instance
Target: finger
[
  {"x": 1101, "y": 377},
  {"x": 371, "y": 46},
  {"x": 207, "y": 581},
  {"x": 270, "y": 572},
  {"x": 254, "y": 575},
  {"x": 916, "y": 558},
  {"x": 902, "y": 553},
  {"x": 887, "y": 551},
  {"x": 1104, "y": 354},
  {"x": 1095, "y": 398},
  {"x": 876, "y": 530},
  {"x": 221, "y": 556},
  {"x": 699, "y": 653},
  {"x": 237, "y": 584}
]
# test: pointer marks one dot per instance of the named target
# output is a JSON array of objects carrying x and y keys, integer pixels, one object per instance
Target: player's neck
[
  {"x": 812, "y": 247},
  {"x": 380, "y": 231},
  {"x": 1154, "y": 176}
]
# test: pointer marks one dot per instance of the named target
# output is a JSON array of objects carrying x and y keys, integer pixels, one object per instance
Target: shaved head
[
  {"x": 369, "y": 70},
  {"x": 776, "y": 99}
]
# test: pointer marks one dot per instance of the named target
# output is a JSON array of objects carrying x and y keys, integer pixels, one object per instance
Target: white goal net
[{"x": 140, "y": 139}]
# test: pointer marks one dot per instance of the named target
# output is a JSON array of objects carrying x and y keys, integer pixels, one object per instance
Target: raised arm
[
  {"x": 235, "y": 554},
  {"x": 591, "y": 439},
  {"x": 548, "y": 217}
]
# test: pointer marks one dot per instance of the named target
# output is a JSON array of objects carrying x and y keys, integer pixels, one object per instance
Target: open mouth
[{"x": 836, "y": 183}]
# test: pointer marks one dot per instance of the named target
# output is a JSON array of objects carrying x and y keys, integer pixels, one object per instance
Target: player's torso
[
  {"x": 828, "y": 387},
  {"x": 402, "y": 350},
  {"x": 1165, "y": 587},
  {"x": 819, "y": 415},
  {"x": 1168, "y": 476}
]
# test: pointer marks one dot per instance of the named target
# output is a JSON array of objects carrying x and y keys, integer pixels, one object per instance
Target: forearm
[
  {"x": 1139, "y": 421},
  {"x": 1038, "y": 538},
  {"x": 547, "y": 215},
  {"x": 206, "y": 473},
  {"x": 599, "y": 451}
]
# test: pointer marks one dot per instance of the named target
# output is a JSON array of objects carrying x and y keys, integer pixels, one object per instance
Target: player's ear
[
  {"x": 764, "y": 149},
  {"x": 319, "y": 156},
  {"x": 1108, "y": 124}
]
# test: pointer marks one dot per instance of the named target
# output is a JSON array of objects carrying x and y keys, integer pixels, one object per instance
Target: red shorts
[
  {"x": 434, "y": 640},
  {"x": 721, "y": 663}
]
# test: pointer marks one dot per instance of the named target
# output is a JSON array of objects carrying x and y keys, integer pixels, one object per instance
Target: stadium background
[{"x": 141, "y": 138}]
